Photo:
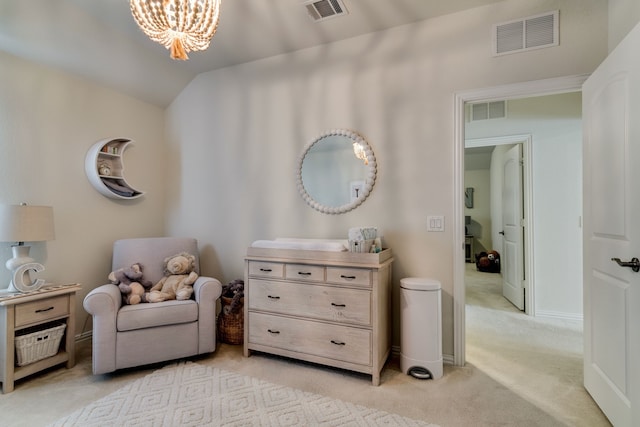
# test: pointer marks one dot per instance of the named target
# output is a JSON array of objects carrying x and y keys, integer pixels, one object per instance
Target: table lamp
[{"x": 24, "y": 223}]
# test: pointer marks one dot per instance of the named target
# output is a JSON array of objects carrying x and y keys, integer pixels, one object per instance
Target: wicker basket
[
  {"x": 231, "y": 325},
  {"x": 38, "y": 345}
]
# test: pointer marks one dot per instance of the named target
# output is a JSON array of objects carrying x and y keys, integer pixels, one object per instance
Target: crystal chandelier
[{"x": 180, "y": 25}]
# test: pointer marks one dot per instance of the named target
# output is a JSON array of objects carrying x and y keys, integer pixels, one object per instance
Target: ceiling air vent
[
  {"x": 488, "y": 110},
  {"x": 534, "y": 32},
  {"x": 320, "y": 10}
]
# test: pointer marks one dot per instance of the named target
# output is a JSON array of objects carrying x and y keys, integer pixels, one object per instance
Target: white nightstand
[{"x": 19, "y": 311}]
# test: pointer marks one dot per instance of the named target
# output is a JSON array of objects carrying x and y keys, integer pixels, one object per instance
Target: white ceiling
[{"x": 99, "y": 40}]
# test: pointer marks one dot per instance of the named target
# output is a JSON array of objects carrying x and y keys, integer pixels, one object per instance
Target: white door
[
  {"x": 512, "y": 257},
  {"x": 611, "y": 114}
]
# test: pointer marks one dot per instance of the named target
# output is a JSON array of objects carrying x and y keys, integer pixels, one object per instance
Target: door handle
[
  {"x": 634, "y": 263},
  {"x": 501, "y": 232}
]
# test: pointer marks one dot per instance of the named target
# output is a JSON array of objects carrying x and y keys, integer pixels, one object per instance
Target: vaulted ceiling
[{"x": 99, "y": 40}]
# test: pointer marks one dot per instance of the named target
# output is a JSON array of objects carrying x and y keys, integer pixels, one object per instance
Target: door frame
[
  {"x": 527, "y": 198},
  {"x": 512, "y": 91}
]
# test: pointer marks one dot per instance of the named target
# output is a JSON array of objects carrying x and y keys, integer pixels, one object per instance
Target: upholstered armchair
[{"x": 133, "y": 335}]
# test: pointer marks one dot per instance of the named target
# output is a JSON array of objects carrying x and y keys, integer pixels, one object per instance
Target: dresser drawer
[
  {"x": 336, "y": 342},
  {"x": 349, "y": 276},
  {"x": 314, "y": 301},
  {"x": 42, "y": 310},
  {"x": 266, "y": 269},
  {"x": 309, "y": 273}
]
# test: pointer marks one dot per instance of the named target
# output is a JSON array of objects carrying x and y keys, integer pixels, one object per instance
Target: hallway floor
[{"x": 539, "y": 359}]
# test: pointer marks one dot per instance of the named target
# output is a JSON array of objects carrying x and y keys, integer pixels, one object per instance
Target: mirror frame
[{"x": 369, "y": 181}]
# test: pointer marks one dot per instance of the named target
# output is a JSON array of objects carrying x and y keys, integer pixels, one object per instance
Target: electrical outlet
[{"x": 435, "y": 223}]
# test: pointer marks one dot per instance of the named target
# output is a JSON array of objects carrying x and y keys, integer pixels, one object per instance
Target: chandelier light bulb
[{"x": 359, "y": 152}]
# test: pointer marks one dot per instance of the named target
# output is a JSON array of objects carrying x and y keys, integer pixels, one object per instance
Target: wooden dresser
[{"x": 332, "y": 308}]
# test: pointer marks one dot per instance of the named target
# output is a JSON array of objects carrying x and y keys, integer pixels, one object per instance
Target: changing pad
[{"x": 330, "y": 245}]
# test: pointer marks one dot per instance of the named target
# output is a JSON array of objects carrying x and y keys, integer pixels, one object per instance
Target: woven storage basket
[
  {"x": 38, "y": 345},
  {"x": 231, "y": 325}
]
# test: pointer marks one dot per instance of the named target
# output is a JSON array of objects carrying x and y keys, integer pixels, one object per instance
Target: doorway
[
  {"x": 508, "y": 92},
  {"x": 485, "y": 160},
  {"x": 539, "y": 355}
]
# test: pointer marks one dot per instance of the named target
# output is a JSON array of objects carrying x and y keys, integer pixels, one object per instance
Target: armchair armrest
[
  {"x": 104, "y": 300},
  {"x": 206, "y": 291},
  {"x": 103, "y": 304}
]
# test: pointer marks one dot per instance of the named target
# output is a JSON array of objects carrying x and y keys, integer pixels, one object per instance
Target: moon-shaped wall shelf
[{"x": 105, "y": 169}]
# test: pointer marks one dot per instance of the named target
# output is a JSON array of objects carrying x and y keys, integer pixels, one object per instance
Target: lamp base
[
  {"x": 21, "y": 265},
  {"x": 20, "y": 256}
]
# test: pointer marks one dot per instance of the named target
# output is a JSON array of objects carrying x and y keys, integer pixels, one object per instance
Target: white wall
[
  {"x": 234, "y": 134},
  {"x": 48, "y": 121},
  {"x": 555, "y": 124}
]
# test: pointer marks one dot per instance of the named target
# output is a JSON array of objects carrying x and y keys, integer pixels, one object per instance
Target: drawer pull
[
  {"x": 273, "y": 332},
  {"x": 337, "y": 342},
  {"x": 333, "y": 304},
  {"x": 42, "y": 310},
  {"x": 266, "y": 270},
  {"x": 273, "y": 297},
  {"x": 304, "y": 273},
  {"x": 347, "y": 277}
]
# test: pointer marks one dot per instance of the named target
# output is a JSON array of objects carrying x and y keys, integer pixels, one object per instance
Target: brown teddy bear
[
  {"x": 131, "y": 284},
  {"x": 178, "y": 279}
]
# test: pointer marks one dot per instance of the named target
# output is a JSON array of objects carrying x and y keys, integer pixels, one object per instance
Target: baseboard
[
  {"x": 395, "y": 350},
  {"x": 85, "y": 336},
  {"x": 447, "y": 359},
  {"x": 543, "y": 314}
]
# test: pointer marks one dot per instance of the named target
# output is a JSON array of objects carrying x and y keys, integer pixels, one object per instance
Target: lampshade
[
  {"x": 24, "y": 223},
  {"x": 180, "y": 25}
]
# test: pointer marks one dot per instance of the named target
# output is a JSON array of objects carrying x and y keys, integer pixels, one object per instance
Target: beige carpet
[
  {"x": 538, "y": 358},
  {"x": 189, "y": 394}
]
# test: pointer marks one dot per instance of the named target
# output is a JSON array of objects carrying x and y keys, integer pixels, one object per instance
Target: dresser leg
[
  {"x": 7, "y": 347},
  {"x": 7, "y": 386},
  {"x": 375, "y": 379}
]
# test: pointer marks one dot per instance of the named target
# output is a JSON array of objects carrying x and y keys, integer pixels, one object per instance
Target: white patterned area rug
[{"x": 188, "y": 394}]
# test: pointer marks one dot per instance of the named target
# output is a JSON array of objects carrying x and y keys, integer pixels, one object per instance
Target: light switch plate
[{"x": 435, "y": 223}]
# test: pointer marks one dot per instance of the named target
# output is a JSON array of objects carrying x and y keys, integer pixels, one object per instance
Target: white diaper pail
[{"x": 421, "y": 328}]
